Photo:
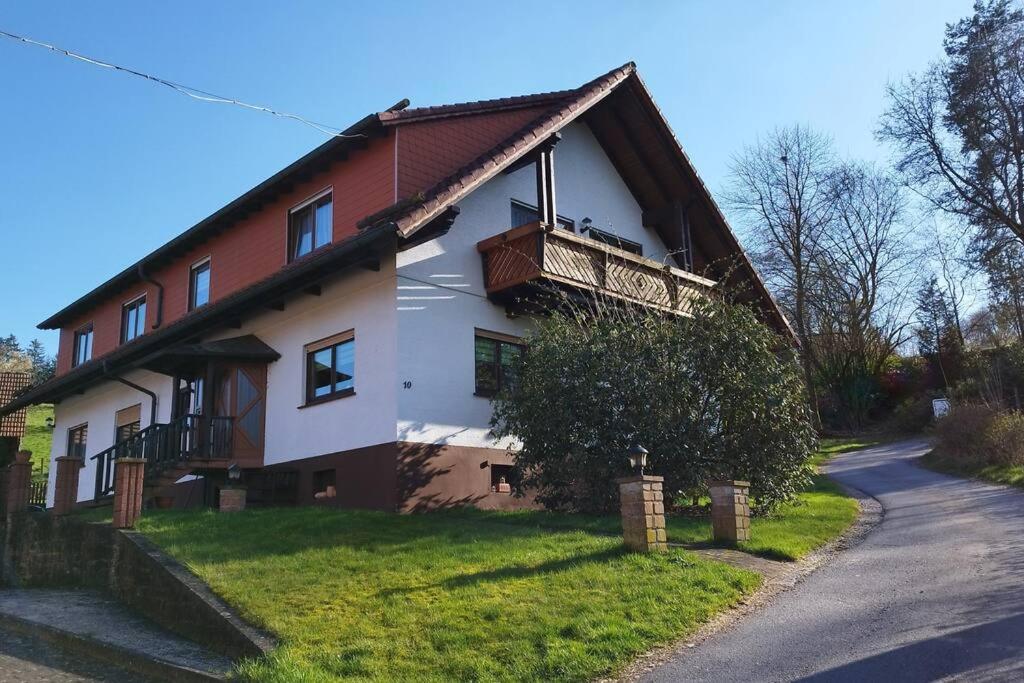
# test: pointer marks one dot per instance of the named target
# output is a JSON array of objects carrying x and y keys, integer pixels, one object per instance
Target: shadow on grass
[{"x": 516, "y": 571}]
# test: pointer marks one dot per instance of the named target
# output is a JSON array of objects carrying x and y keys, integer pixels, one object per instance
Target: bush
[
  {"x": 911, "y": 416},
  {"x": 1005, "y": 439},
  {"x": 977, "y": 436},
  {"x": 713, "y": 396}
]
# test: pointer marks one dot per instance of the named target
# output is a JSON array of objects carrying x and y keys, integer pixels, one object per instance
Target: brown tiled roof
[
  {"x": 568, "y": 105},
  {"x": 477, "y": 107},
  {"x": 12, "y": 384}
]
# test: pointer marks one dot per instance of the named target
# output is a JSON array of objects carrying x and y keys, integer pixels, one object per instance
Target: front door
[{"x": 240, "y": 393}]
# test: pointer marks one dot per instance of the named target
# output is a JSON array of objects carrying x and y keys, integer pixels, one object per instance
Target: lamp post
[{"x": 637, "y": 458}]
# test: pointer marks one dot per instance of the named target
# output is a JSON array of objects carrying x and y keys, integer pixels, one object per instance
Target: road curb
[{"x": 136, "y": 662}]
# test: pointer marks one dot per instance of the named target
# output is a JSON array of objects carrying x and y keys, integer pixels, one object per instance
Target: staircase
[{"x": 171, "y": 450}]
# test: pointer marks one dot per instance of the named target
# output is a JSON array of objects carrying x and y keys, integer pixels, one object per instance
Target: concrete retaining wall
[{"x": 40, "y": 550}]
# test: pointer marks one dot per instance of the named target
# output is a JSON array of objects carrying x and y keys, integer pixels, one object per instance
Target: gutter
[
  {"x": 152, "y": 395},
  {"x": 159, "y": 295}
]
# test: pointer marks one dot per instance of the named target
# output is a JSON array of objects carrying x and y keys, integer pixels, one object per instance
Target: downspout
[
  {"x": 159, "y": 296},
  {"x": 133, "y": 385}
]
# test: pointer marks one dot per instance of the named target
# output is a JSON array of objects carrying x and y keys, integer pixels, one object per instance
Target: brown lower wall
[{"x": 404, "y": 476}]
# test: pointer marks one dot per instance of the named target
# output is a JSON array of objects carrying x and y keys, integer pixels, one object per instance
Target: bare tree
[
  {"x": 865, "y": 274},
  {"x": 780, "y": 189},
  {"x": 958, "y": 128}
]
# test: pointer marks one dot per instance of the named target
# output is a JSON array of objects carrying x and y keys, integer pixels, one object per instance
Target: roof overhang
[
  {"x": 184, "y": 357},
  {"x": 365, "y": 248},
  {"x": 353, "y": 138}
]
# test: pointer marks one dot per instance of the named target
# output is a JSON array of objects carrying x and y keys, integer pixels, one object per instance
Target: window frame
[
  {"x": 193, "y": 270},
  {"x": 309, "y": 352},
  {"x": 613, "y": 240},
  {"x": 291, "y": 241},
  {"x": 87, "y": 329},
  {"x": 82, "y": 429},
  {"x": 140, "y": 300},
  {"x": 499, "y": 339},
  {"x": 563, "y": 222}
]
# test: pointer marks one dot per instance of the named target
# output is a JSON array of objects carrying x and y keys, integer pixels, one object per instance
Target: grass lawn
[
  {"x": 815, "y": 518},
  {"x": 37, "y": 439},
  {"x": 1012, "y": 475},
  {"x": 457, "y": 595}
]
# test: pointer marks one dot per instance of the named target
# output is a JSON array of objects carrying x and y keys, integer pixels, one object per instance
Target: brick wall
[{"x": 41, "y": 550}]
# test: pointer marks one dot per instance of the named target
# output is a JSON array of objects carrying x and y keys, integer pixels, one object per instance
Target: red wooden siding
[{"x": 249, "y": 250}]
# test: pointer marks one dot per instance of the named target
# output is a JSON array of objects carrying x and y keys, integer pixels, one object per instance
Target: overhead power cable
[{"x": 194, "y": 93}]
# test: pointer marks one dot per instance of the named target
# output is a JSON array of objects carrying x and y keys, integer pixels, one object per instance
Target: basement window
[
  {"x": 501, "y": 478},
  {"x": 310, "y": 226}
]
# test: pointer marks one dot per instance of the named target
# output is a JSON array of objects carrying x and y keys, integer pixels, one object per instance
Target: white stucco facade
[
  {"x": 414, "y": 321},
  {"x": 442, "y": 299}
]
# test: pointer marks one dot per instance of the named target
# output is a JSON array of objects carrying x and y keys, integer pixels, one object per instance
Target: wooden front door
[{"x": 241, "y": 394}]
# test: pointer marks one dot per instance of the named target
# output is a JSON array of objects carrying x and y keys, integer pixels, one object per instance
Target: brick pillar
[
  {"x": 643, "y": 513},
  {"x": 128, "y": 482},
  {"x": 65, "y": 484},
  {"x": 19, "y": 477},
  {"x": 730, "y": 510},
  {"x": 232, "y": 499}
]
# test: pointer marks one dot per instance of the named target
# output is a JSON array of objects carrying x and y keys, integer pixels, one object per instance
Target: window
[
  {"x": 496, "y": 356},
  {"x": 199, "y": 285},
  {"x": 127, "y": 422},
  {"x": 310, "y": 227},
  {"x": 133, "y": 319},
  {"x": 330, "y": 368},
  {"x": 83, "y": 346},
  {"x": 524, "y": 213},
  {"x": 615, "y": 241},
  {"x": 76, "y": 441}
]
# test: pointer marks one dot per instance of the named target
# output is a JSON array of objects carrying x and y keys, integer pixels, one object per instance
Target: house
[{"x": 337, "y": 331}]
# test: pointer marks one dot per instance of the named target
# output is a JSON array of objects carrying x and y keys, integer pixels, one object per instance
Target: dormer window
[
  {"x": 310, "y": 226},
  {"x": 133, "y": 319}
]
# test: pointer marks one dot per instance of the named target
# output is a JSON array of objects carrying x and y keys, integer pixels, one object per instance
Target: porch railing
[{"x": 166, "y": 445}]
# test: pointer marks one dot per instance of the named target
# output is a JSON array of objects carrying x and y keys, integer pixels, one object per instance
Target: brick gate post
[
  {"x": 65, "y": 485},
  {"x": 19, "y": 477},
  {"x": 643, "y": 513},
  {"x": 730, "y": 510},
  {"x": 128, "y": 482}
]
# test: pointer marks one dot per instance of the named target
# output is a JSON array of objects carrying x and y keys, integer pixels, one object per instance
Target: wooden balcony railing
[
  {"x": 535, "y": 254},
  {"x": 166, "y": 445}
]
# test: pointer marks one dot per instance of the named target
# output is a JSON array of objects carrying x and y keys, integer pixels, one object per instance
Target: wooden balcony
[{"x": 523, "y": 261}]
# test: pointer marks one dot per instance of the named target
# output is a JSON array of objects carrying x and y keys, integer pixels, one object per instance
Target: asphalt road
[{"x": 935, "y": 592}]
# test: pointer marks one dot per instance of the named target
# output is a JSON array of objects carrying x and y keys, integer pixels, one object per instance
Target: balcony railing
[
  {"x": 163, "y": 446},
  {"x": 535, "y": 254}
]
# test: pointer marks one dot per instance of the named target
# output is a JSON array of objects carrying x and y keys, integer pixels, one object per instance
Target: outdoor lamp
[
  {"x": 234, "y": 472},
  {"x": 49, "y": 423},
  {"x": 637, "y": 457}
]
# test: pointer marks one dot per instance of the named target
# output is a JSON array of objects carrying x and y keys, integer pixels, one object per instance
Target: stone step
[{"x": 90, "y": 624}]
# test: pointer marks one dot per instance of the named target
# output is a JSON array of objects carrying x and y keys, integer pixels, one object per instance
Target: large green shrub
[
  {"x": 716, "y": 395},
  {"x": 978, "y": 436}
]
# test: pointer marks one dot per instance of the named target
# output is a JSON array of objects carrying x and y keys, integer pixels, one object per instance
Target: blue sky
[{"x": 99, "y": 168}]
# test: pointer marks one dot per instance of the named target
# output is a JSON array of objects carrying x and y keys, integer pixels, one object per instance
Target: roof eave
[{"x": 351, "y": 135}]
